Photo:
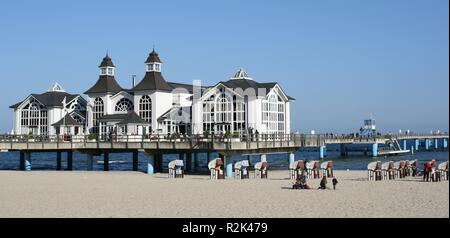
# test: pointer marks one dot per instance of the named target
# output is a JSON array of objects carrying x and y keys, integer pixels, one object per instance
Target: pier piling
[
  {"x": 58, "y": 160},
  {"x": 105, "y": 161},
  {"x": 69, "y": 160},
  {"x": 322, "y": 151},
  {"x": 135, "y": 160},
  {"x": 150, "y": 164},
  {"x": 375, "y": 150},
  {"x": 90, "y": 162},
  {"x": 22, "y": 161}
]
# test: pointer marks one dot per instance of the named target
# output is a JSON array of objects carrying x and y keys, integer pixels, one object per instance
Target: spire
[
  {"x": 106, "y": 62},
  {"x": 153, "y": 57},
  {"x": 241, "y": 74}
]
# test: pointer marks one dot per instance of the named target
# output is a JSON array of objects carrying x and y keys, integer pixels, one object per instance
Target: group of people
[
  {"x": 430, "y": 172},
  {"x": 301, "y": 182}
]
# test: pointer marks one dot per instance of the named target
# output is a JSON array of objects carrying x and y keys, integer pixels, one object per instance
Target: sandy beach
[{"x": 134, "y": 194}]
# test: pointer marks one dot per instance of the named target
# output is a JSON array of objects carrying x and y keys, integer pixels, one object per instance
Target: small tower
[
  {"x": 241, "y": 74},
  {"x": 107, "y": 67},
  {"x": 153, "y": 62}
]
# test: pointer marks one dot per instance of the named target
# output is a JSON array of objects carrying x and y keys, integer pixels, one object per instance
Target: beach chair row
[
  {"x": 401, "y": 169},
  {"x": 240, "y": 169},
  {"x": 314, "y": 169}
]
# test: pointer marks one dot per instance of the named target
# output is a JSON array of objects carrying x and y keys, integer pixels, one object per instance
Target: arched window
[
  {"x": 34, "y": 115},
  {"x": 124, "y": 105},
  {"x": 145, "y": 108},
  {"x": 274, "y": 114},
  {"x": 34, "y": 119},
  {"x": 224, "y": 109},
  {"x": 97, "y": 113}
]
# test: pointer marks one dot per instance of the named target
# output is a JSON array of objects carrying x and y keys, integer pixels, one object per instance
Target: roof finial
[{"x": 107, "y": 53}]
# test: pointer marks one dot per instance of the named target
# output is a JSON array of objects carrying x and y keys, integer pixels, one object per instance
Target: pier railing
[{"x": 209, "y": 141}]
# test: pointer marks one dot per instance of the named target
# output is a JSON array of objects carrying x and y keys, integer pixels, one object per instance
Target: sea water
[{"x": 123, "y": 161}]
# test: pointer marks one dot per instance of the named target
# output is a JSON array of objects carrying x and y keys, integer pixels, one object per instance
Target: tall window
[
  {"x": 34, "y": 119},
  {"x": 273, "y": 114},
  {"x": 224, "y": 109},
  {"x": 223, "y": 112},
  {"x": 238, "y": 115},
  {"x": 98, "y": 112},
  {"x": 145, "y": 108},
  {"x": 124, "y": 105},
  {"x": 208, "y": 114}
]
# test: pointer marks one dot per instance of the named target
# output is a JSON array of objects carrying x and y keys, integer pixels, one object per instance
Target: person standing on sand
[
  {"x": 323, "y": 183},
  {"x": 334, "y": 183}
]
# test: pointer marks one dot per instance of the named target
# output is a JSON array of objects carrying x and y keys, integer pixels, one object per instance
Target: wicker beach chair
[
  {"x": 327, "y": 168},
  {"x": 176, "y": 169},
  {"x": 296, "y": 168},
  {"x": 443, "y": 170},
  {"x": 388, "y": 170},
  {"x": 240, "y": 169},
  {"x": 313, "y": 169},
  {"x": 399, "y": 169},
  {"x": 214, "y": 167},
  {"x": 261, "y": 170},
  {"x": 374, "y": 170}
]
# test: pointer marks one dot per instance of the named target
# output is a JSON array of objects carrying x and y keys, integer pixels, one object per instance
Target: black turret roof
[
  {"x": 153, "y": 57},
  {"x": 153, "y": 81},
  {"x": 105, "y": 84},
  {"x": 106, "y": 62}
]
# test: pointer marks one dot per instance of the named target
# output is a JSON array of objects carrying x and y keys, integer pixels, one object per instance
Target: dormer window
[
  {"x": 154, "y": 67},
  {"x": 107, "y": 71}
]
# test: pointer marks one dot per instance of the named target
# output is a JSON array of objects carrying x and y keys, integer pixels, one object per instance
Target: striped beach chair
[{"x": 176, "y": 169}]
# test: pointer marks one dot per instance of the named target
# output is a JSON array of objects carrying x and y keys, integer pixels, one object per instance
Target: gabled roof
[
  {"x": 106, "y": 62},
  {"x": 68, "y": 121},
  {"x": 245, "y": 84},
  {"x": 105, "y": 84},
  {"x": 153, "y": 81},
  {"x": 133, "y": 118},
  {"x": 168, "y": 114},
  {"x": 188, "y": 87},
  {"x": 50, "y": 99},
  {"x": 125, "y": 118}
]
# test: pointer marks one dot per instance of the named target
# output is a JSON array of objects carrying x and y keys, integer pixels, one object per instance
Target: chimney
[{"x": 133, "y": 80}]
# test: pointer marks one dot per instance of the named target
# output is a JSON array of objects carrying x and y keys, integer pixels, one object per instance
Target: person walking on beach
[
  {"x": 427, "y": 171},
  {"x": 323, "y": 183},
  {"x": 334, "y": 183}
]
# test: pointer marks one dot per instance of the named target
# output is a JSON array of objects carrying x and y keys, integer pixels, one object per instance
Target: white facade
[
  {"x": 225, "y": 108},
  {"x": 37, "y": 114}
]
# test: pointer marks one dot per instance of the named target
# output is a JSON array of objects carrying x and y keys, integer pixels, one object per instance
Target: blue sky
[{"x": 341, "y": 60}]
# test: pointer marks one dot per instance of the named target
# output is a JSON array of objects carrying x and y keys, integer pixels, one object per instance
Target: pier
[{"x": 154, "y": 147}]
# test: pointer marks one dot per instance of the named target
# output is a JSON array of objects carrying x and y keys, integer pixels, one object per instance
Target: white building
[
  {"x": 144, "y": 109},
  {"x": 54, "y": 112},
  {"x": 242, "y": 104},
  {"x": 155, "y": 106}
]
